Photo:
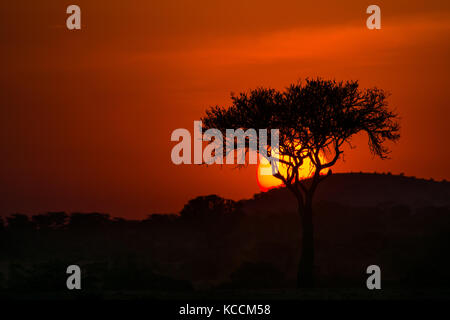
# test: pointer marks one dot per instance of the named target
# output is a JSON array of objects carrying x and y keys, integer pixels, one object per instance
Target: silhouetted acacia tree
[{"x": 315, "y": 118}]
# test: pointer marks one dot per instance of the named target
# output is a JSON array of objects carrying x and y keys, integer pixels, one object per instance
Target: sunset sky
[{"x": 86, "y": 116}]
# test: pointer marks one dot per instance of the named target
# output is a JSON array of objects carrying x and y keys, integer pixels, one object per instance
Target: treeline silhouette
[{"x": 219, "y": 244}]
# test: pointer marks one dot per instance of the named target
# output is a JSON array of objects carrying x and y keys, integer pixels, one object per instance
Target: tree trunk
[{"x": 305, "y": 275}]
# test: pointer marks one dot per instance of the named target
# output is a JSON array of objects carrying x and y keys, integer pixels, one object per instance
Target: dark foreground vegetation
[{"x": 218, "y": 248}]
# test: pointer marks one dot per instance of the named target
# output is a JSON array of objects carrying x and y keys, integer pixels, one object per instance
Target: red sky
[{"x": 86, "y": 116}]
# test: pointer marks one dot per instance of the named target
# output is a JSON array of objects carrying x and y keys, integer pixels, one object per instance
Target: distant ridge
[{"x": 361, "y": 190}]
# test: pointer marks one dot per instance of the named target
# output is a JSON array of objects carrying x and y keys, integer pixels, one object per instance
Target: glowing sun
[{"x": 267, "y": 181}]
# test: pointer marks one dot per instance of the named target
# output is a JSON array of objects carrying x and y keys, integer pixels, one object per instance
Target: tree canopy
[{"x": 314, "y": 117}]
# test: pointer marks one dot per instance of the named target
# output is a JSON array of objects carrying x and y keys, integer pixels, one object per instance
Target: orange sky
[{"x": 86, "y": 116}]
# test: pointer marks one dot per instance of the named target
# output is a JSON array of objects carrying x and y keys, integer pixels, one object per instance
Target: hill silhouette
[
  {"x": 216, "y": 245},
  {"x": 363, "y": 189}
]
